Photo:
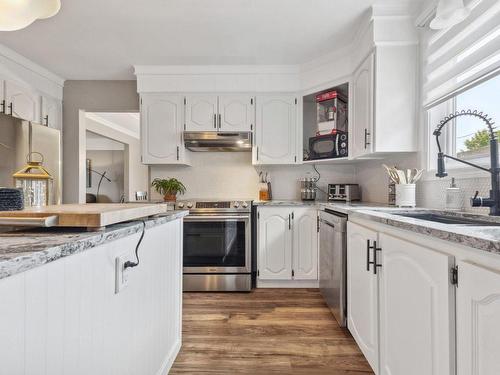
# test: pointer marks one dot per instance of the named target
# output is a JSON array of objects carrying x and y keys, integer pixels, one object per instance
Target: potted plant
[{"x": 168, "y": 188}]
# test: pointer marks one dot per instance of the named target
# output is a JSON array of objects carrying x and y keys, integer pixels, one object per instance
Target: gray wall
[
  {"x": 91, "y": 96},
  {"x": 111, "y": 162}
]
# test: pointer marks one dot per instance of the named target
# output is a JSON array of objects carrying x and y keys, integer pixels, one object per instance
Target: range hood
[{"x": 218, "y": 141}]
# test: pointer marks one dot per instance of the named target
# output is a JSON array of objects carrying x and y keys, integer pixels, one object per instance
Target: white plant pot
[{"x": 405, "y": 195}]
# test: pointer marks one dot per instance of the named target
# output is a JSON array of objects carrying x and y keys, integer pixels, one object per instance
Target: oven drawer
[{"x": 217, "y": 283}]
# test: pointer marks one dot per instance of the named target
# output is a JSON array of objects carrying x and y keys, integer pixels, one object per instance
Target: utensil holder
[{"x": 405, "y": 195}]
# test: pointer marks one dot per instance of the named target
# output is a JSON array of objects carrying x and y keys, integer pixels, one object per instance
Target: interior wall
[
  {"x": 223, "y": 175},
  {"x": 373, "y": 178},
  {"x": 135, "y": 173},
  {"x": 91, "y": 96},
  {"x": 111, "y": 162}
]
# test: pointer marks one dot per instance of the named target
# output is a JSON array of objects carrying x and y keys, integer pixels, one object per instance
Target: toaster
[{"x": 344, "y": 192}]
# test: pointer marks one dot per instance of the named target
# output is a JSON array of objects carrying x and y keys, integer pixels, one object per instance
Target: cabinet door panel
[
  {"x": 276, "y": 129},
  {"x": 236, "y": 113},
  {"x": 201, "y": 112},
  {"x": 305, "y": 244},
  {"x": 51, "y": 113},
  {"x": 161, "y": 128},
  {"x": 25, "y": 104},
  {"x": 362, "y": 129},
  {"x": 478, "y": 320},
  {"x": 362, "y": 293},
  {"x": 275, "y": 243},
  {"x": 416, "y": 309}
]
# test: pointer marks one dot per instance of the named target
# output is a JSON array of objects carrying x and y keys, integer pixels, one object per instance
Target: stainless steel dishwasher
[{"x": 333, "y": 263}]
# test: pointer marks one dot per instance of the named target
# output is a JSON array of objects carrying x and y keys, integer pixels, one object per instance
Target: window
[
  {"x": 466, "y": 138},
  {"x": 471, "y": 138}
]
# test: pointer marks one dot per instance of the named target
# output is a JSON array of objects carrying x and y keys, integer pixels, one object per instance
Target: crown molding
[
  {"x": 96, "y": 118},
  {"x": 16, "y": 58}
]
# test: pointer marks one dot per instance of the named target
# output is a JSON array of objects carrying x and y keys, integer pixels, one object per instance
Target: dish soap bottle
[{"x": 454, "y": 199}]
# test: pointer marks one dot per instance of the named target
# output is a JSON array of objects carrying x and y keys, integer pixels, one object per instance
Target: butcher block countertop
[{"x": 90, "y": 215}]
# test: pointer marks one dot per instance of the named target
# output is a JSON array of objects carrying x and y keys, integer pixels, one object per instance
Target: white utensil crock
[{"x": 405, "y": 195}]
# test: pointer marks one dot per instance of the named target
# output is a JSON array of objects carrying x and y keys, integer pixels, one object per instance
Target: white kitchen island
[{"x": 59, "y": 310}]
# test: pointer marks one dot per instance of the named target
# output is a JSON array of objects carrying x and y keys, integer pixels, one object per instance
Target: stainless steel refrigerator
[{"x": 18, "y": 139}]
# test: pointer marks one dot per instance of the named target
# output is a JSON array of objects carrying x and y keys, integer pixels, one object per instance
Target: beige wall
[{"x": 90, "y": 96}]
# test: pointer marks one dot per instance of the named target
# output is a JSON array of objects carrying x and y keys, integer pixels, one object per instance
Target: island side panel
[{"x": 65, "y": 317}]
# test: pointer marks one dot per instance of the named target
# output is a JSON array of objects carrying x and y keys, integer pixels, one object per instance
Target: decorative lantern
[{"x": 35, "y": 181}]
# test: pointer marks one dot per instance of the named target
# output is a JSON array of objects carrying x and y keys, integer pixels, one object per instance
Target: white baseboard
[
  {"x": 287, "y": 283},
  {"x": 170, "y": 358}
]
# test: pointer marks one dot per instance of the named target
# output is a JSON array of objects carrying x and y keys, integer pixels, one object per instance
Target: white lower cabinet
[
  {"x": 478, "y": 320},
  {"x": 362, "y": 292},
  {"x": 274, "y": 243},
  {"x": 416, "y": 309},
  {"x": 305, "y": 243},
  {"x": 400, "y": 303},
  {"x": 287, "y": 243}
]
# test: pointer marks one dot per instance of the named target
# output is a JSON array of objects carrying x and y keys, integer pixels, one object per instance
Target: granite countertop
[
  {"x": 485, "y": 238},
  {"x": 26, "y": 249},
  {"x": 285, "y": 202}
]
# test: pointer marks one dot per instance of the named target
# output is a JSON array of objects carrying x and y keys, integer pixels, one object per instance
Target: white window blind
[{"x": 464, "y": 54}]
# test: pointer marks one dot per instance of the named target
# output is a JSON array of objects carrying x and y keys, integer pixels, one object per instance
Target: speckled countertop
[
  {"x": 485, "y": 238},
  {"x": 23, "y": 250}
]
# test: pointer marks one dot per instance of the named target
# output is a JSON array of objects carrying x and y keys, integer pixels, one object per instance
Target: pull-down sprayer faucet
[{"x": 493, "y": 201}]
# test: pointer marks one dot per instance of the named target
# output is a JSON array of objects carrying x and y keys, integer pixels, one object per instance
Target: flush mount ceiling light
[
  {"x": 17, "y": 14},
  {"x": 449, "y": 13}
]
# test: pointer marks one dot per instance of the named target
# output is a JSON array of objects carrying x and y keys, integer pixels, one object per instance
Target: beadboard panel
[{"x": 65, "y": 318}]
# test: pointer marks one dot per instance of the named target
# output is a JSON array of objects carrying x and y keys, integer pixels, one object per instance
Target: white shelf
[{"x": 345, "y": 160}]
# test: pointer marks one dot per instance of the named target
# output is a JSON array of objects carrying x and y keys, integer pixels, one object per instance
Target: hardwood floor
[{"x": 269, "y": 331}]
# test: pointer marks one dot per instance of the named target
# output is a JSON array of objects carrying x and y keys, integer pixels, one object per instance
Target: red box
[{"x": 326, "y": 96}]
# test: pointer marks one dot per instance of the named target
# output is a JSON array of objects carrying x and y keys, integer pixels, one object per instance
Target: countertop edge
[{"x": 37, "y": 258}]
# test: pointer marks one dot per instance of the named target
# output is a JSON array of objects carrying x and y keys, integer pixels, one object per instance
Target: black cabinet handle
[
  {"x": 289, "y": 221},
  {"x": 177, "y": 152},
  {"x": 215, "y": 121},
  {"x": 375, "y": 264},
  {"x": 46, "y": 118},
  {"x": 366, "y": 138},
  {"x": 368, "y": 248},
  {"x": 220, "y": 120},
  {"x": 11, "y": 109},
  {"x": 3, "y": 106}
]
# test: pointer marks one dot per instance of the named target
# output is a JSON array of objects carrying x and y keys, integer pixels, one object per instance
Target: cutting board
[{"x": 90, "y": 215}]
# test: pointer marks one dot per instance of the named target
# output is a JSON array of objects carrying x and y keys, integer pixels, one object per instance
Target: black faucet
[{"x": 493, "y": 201}]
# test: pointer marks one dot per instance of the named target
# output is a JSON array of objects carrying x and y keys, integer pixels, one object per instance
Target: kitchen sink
[{"x": 448, "y": 219}]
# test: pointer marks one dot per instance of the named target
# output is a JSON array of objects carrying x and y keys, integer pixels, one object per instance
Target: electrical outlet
[{"x": 121, "y": 274}]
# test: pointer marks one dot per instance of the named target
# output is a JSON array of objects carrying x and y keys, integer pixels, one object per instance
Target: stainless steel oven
[{"x": 217, "y": 246}]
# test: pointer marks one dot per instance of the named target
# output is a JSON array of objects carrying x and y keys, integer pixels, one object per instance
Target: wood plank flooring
[{"x": 269, "y": 331}]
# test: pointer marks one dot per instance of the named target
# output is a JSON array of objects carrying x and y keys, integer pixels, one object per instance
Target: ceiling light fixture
[
  {"x": 449, "y": 13},
  {"x": 17, "y": 14}
]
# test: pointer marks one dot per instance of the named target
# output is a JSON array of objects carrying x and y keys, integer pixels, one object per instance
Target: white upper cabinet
[
  {"x": 276, "y": 130},
  {"x": 201, "y": 113},
  {"x": 384, "y": 89},
  {"x": 21, "y": 102},
  {"x": 162, "y": 122},
  {"x": 51, "y": 113},
  {"x": 416, "y": 309},
  {"x": 362, "y": 291},
  {"x": 237, "y": 113},
  {"x": 362, "y": 108},
  {"x": 305, "y": 243},
  {"x": 275, "y": 243},
  {"x": 478, "y": 320}
]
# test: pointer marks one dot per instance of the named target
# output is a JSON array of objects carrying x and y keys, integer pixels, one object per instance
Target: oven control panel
[{"x": 214, "y": 205}]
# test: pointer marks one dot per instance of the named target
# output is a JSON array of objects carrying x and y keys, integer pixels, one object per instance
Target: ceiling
[{"x": 96, "y": 39}]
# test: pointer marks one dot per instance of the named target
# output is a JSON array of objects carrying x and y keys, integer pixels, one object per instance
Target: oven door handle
[{"x": 215, "y": 218}]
